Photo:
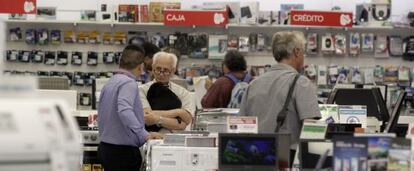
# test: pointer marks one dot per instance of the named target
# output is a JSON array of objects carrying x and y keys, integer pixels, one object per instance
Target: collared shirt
[
  {"x": 183, "y": 94},
  {"x": 120, "y": 113},
  {"x": 266, "y": 96}
]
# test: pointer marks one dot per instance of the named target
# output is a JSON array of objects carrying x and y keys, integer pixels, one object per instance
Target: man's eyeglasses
[{"x": 163, "y": 71}]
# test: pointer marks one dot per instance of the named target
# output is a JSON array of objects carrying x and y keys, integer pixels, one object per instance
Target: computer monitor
[
  {"x": 372, "y": 98},
  {"x": 248, "y": 152},
  {"x": 393, "y": 122},
  {"x": 311, "y": 151}
]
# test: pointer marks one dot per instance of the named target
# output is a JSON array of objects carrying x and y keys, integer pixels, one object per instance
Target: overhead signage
[
  {"x": 18, "y": 6},
  {"x": 321, "y": 18},
  {"x": 195, "y": 18}
]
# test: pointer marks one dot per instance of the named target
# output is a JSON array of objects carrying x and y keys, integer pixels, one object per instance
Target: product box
[
  {"x": 249, "y": 12},
  {"x": 233, "y": 42},
  {"x": 156, "y": 10},
  {"x": 42, "y": 37},
  {"x": 50, "y": 58},
  {"x": 46, "y": 13},
  {"x": 119, "y": 38},
  {"x": 340, "y": 44},
  {"x": 329, "y": 113},
  {"x": 107, "y": 11},
  {"x": 381, "y": 46},
  {"x": 95, "y": 37},
  {"x": 391, "y": 73},
  {"x": 217, "y": 46},
  {"x": 62, "y": 58},
  {"x": 399, "y": 155},
  {"x": 15, "y": 34},
  {"x": 328, "y": 44},
  {"x": 350, "y": 153},
  {"x": 244, "y": 44},
  {"x": 128, "y": 13},
  {"x": 312, "y": 44},
  {"x": 354, "y": 44},
  {"x": 69, "y": 36},
  {"x": 55, "y": 37},
  {"x": 88, "y": 15},
  {"x": 144, "y": 14},
  {"x": 367, "y": 42},
  {"x": 233, "y": 9},
  {"x": 82, "y": 37}
]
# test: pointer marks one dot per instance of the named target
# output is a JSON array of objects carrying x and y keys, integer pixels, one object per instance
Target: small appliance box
[{"x": 128, "y": 13}]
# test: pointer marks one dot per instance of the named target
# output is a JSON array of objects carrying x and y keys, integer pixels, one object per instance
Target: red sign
[
  {"x": 195, "y": 18},
  {"x": 321, "y": 18},
  {"x": 18, "y": 6}
]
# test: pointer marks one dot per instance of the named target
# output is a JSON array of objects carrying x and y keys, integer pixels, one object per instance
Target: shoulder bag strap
[{"x": 281, "y": 117}]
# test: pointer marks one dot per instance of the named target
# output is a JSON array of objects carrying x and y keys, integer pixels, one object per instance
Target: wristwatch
[{"x": 159, "y": 122}]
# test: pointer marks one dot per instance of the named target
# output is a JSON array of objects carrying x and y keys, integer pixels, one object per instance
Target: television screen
[{"x": 249, "y": 151}]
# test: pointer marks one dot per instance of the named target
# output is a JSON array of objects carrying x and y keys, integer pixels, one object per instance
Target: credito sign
[{"x": 321, "y": 18}]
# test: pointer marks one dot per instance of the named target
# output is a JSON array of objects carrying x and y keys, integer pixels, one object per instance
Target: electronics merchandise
[
  {"x": 143, "y": 14},
  {"x": 399, "y": 154},
  {"x": 76, "y": 58},
  {"x": 408, "y": 48},
  {"x": 55, "y": 37},
  {"x": 37, "y": 56},
  {"x": 265, "y": 18},
  {"x": 356, "y": 76},
  {"x": 217, "y": 46},
  {"x": 322, "y": 74},
  {"x": 94, "y": 37},
  {"x": 232, "y": 42},
  {"x": 285, "y": 12},
  {"x": 390, "y": 73},
  {"x": 137, "y": 37},
  {"x": 262, "y": 42},
  {"x": 79, "y": 79},
  {"x": 328, "y": 44},
  {"x": 379, "y": 72},
  {"x": 395, "y": 45},
  {"x": 343, "y": 75},
  {"x": 311, "y": 151},
  {"x": 12, "y": 55},
  {"x": 50, "y": 58},
  {"x": 310, "y": 72},
  {"x": 118, "y": 57},
  {"x": 367, "y": 42},
  {"x": 92, "y": 59},
  {"x": 156, "y": 10},
  {"x": 340, "y": 44},
  {"x": 403, "y": 74},
  {"x": 332, "y": 74},
  {"x": 55, "y": 74},
  {"x": 381, "y": 46},
  {"x": 31, "y": 36},
  {"x": 42, "y": 37},
  {"x": 253, "y": 42},
  {"x": 24, "y": 56},
  {"x": 380, "y": 13},
  {"x": 15, "y": 34},
  {"x": 247, "y": 151},
  {"x": 43, "y": 73},
  {"x": 362, "y": 14},
  {"x": 249, "y": 12},
  {"x": 350, "y": 153},
  {"x": 89, "y": 77},
  {"x": 105, "y": 14},
  {"x": 369, "y": 76},
  {"x": 179, "y": 41},
  {"x": 109, "y": 57},
  {"x": 355, "y": 44},
  {"x": 82, "y": 37},
  {"x": 69, "y": 75},
  {"x": 128, "y": 13},
  {"x": 46, "y": 13},
  {"x": 244, "y": 44},
  {"x": 85, "y": 99},
  {"x": 17, "y": 16},
  {"x": 62, "y": 58},
  {"x": 312, "y": 44},
  {"x": 233, "y": 9},
  {"x": 159, "y": 40},
  {"x": 107, "y": 38},
  {"x": 88, "y": 15},
  {"x": 69, "y": 36}
]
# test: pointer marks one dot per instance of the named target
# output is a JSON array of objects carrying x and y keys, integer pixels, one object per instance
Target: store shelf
[{"x": 81, "y": 23}]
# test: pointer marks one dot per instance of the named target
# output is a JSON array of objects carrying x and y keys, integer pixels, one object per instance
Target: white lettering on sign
[
  {"x": 309, "y": 18},
  {"x": 172, "y": 17}
]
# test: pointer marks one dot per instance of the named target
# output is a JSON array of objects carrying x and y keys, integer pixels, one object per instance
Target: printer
[{"x": 38, "y": 135}]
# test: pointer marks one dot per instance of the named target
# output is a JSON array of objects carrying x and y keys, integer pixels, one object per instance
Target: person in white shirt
[{"x": 161, "y": 116}]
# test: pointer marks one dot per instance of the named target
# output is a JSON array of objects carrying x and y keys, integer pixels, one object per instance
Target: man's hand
[
  {"x": 151, "y": 118},
  {"x": 154, "y": 135}
]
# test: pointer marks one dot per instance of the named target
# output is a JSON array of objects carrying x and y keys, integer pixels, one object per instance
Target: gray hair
[
  {"x": 160, "y": 55},
  {"x": 284, "y": 42}
]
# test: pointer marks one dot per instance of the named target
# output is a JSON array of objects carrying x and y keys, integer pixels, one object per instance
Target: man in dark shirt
[
  {"x": 219, "y": 94},
  {"x": 150, "y": 49}
]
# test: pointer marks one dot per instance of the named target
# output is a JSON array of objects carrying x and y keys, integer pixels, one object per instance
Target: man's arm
[
  {"x": 126, "y": 99},
  {"x": 306, "y": 99},
  {"x": 168, "y": 123}
]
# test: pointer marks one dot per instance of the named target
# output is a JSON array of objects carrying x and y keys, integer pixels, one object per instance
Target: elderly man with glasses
[{"x": 167, "y": 106}]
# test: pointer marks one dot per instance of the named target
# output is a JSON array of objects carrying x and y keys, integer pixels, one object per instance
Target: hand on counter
[{"x": 154, "y": 135}]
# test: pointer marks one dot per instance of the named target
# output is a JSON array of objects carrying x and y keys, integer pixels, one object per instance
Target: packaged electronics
[
  {"x": 106, "y": 13},
  {"x": 144, "y": 13},
  {"x": 265, "y": 18},
  {"x": 244, "y": 44},
  {"x": 128, "y": 13},
  {"x": 15, "y": 34},
  {"x": 369, "y": 76},
  {"x": 159, "y": 40},
  {"x": 37, "y": 56},
  {"x": 69, "y": 36},
  {"x": 408, "y": 48},
  {"x": 88, "y": 15},
  {"x": 232, "y": 42},
  {"x": 362, "y": 14},
  {"x": 55, "y": 37},
  {"x": 109, "y": 57},
  {"x": 43, "y": 73},
  {"x": 43, "y": 37},
  {"x": 82, "y": 37},
  {"x": 95, "y": 37},
  {"x": 12, "y": 55},
  {"x": 328, "y": 44},
  {"x": 380, "y": 13},
  {"x": 396, "y": 46},
  {"x": 249, "y": 12},
  {"x": 89, "y": 77},
  {"x": 46, "y": 13},
  {"x": 78, "y": 79},
  {"x": 50, "y": 58},
  {"x": 312, "y": 44},
  {"x": 262, "y": 42},
  {"x": 85, "y": 99},
  {"x": 390, "y": 73},
  {"x": 119, "y": 38},
  {"x": 76, "y": 58},
  {"x": 107, "y": 38},
  {"x": 311, "y": 72},
  {"x": 356, "y": 76},
  {"x": 381, "y": 46},
  {"x": 332, "y": 74},
  {"x": 354, "y": 44},
  {"x": 379, "y": 73},
  {"x": 253, "y": 42},
  {"x": 156, "y": 10},
  {"x": 92, "y": 59},
  {"x": 62, "y": 58},
  {"x": 322, "y": 75},
  {"x": 24, "y": 56},
  {"x": 340, "y": 44},
  {"x": 31, "y": 36},
  {"x": 217, "y": 47},
  {"x": 198, "y": 45},
  {"x": 179, "y": 41},
  {"x": 367, "y": 42},
  {"x": 233, "y": 9}
]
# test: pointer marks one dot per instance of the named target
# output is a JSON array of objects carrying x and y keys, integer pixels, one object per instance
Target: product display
[
  {"x": 88, "y": 15},
  {"x": 312, "y": 44},
  {"x": 15, "y": 34},
  {"x": 95, "y": 37},
  {"x": 355, "y": 44},
  {"x": 396, "y": 46},
  {"x": 76, "y": 58},
  {"x": 109, "y": 57},
  {"x": 55, "y": 37},
  {"x": 31, "y": 36},
  {"x": 50, "y": 58},
  {"x": 37, "y": 56},
  {"x": 24, "y": 56},
  {"x": 381, "y": 46},
  {"x": 42, "y": 37},
  {"x": 62, "y": 58},
  {"x": 217, "y": 47},
  {"x": 340, "y": 44},
  {"x": 367, "y": 43},
  {"x": 92, "y": 59},
  {"x": 328, "y": 44},
  {"x": 128, "y": 13},
  {"x": 12, "y": 55},
  {"x": 244, "y": 44},
  {"x": 46, "y": 13},
  {"x": 249, "y": 12},
  {"x": 69, "y": 36}
]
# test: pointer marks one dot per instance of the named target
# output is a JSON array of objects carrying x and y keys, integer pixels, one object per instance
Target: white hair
[
  {"x": 285, "y": 41},
  {"x": 160, "y": 55}
]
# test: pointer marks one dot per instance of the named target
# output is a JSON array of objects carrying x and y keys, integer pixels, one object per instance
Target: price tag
[{"x": 242, "y": 124}]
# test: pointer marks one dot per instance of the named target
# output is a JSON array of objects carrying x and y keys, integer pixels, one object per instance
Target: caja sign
[
  {"x": 18, "y": 6},
  {"x": 195, "y": 18},
  {"x": 321, "y": 18}
]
